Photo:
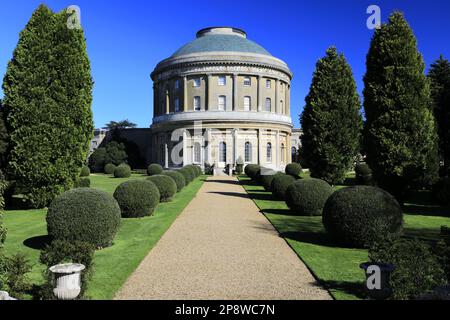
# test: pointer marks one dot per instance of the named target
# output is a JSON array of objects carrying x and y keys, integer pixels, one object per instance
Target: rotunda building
[{"x": 219, "y": 99}]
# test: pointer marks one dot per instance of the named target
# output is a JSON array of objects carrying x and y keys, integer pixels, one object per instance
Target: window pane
[
  {"x": 197, "y": 82},
  {"x": 247, "y": 81},
  {"x": 177, "y": 105},
  {"x": 222, "y": 80},
  {"x": 269, "y": 152},
  {"x": 268, "y": 104},
  {"x": 197, "y": 152},
  {"x": 248, "y": 152},
  {"x": 222, "y": 152},
  {"x": 177, "y": 84},
  {"x": 268, "y": 84},
  {"x": 247, "y": 103},
  {"x": 196, "y": 103},
  {"x": 222, "y": 102}
]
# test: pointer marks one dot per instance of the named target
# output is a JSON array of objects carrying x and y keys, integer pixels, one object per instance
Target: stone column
[
  {"x": 167, "y": 102},
  {"x": 235, "y": 89},
  {"x": 260, "y": 91},
  {"x": 209, "y": 93},
  {"x": 185, "y": 98},
  {"x": 185, "y": 151},
  {"x": 155, "y": 100},
  {"x": 260, "y": 144},
  {"x": 289, "y": 148},
  {"x": 277, "y": 149},
  {"x": 277, "y": 103}
]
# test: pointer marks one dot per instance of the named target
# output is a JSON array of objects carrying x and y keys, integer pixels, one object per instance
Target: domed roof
[{"x": 221, "y": 39}]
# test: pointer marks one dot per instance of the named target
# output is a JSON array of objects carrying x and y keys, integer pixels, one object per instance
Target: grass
[
  {"x": 335, "y": 267},
  {"x": 112, "y": 266}
]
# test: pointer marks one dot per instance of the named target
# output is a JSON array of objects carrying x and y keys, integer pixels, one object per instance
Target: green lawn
[
  {"x": 112, "y": 266},
  {"x": 338, "y": 268}
]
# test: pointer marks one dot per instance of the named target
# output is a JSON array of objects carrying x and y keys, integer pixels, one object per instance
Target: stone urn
[
  {"x": 5, "y": 296},
  {"x": 378, "y": 275},
  {"x": 67, "y": 280}
]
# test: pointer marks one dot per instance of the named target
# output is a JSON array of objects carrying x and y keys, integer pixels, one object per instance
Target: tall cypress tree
[
  {"x": 400, "y": 132},
  {"x": 439, "y": 75},
  {"x": 48, "y": 94},
  {"x": 331, "y": 120}
]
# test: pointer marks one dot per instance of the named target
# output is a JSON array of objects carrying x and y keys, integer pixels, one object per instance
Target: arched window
[
  {"x": 268, "y": 104},
  {"x": 197, "y": 152},
  {"x": 294, "y": 154},
  {"x": 248, "y": 152},
  {"x": 283, "y": 153},
  {"x": 222, "y": 152},
  {"x": 269, "y": 152},
  {"x": 247, "y": 103}
]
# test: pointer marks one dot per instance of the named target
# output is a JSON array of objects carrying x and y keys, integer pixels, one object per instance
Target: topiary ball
[
  {"x": 307, "y": 197},
  {"x": 154, "y": 168},
  {"x": 193, "y": 171},
  {"x": 252, "y": 170},
  {"x": 84, "y": 214},
  {"x": 187, "y": 174},
  {"x": 280, "y": 183},
  {"x": 83, "y": 182},
  {"x": 177, "y": 177},
  {"x": 166, "y": 186},
  {"x": 360, "y": 215},
  {"x": 137, "y": 198},
  {"x": 85, "y": 171},
  {"x": 266, "y": 180},
  {"x": 363, "y": 174},
  {"x": 199, "y": 170},
  {"x": 122, "y": 171},
  {"x": 109, "y": 168},
  {"x": 293, "y": 169}
]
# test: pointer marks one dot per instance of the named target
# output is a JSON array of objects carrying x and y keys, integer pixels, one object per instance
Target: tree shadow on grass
[
  {"x": 349, "y": 287},
  {"x": 37, "y": 243}
]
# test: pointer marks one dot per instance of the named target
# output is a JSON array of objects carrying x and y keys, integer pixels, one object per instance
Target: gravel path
[{"x": 221, "y": 247}]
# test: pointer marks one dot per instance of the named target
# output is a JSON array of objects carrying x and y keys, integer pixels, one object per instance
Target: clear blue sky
[{"x": 126, "y": 39}]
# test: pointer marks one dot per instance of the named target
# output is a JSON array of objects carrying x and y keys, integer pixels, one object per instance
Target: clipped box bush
[
  {"x": 280, "y": 183},
  {"x": 109, "y": 168},
  {"x": 266, "y": 179},
  {"x": 363, "y": 174},
  {"x": 293, "y": 169},
  {"x": 154, "y": 168},
  {"x": 199, "y": 170},
  {"x": 137, "y": 198},
  {"x": 252, "y": 171},
  {"x": 85, "y": 171},
  {"x": 360, "y": 215},
  {"x": 84, "y": 214},
  {"x": 166, "y": 186},
  {"x": 83, "y": 182},
  {"x": 307, "y": 197},
  {"x": 195, "y": 169},
  {"x": 179, "y": 179},
  {"x": 188, "y": 174},
  {"x": 122, "y": 171}
]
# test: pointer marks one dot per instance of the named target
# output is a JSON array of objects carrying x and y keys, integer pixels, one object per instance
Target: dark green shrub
[
  {"x": 417, "y": 269},
  {"x": 83, "y": 182},
  {"x": 177, "y": 177},
  {"x": 84, "y": 214},
  {"x": 109, "y": 168},
  {"x": 293, "y": 169},
  {"x": 280, "y": 183},
  {"x": 137, "y": 198},
  {"x": 122, "y": 171},
  {"x": 194, "y": 171},
  {"x": 154, "y": 168},
  {"x": 252, "y": 171},
  {"x": 187, "y": 173},
  {"x": 266, "y": 180},
  {"x": 307, "y": 197},
  {"x": 359, "y": 215},
  {"x": 66, "y": 252},
  {"x": 363, "y": 174},
  {"x": 13, "y": 274},
  {"x": 199, "y": 170},
  {"x": 85, "y": 171},
  {"x": 441, "y": 191},
  {"x": 166, "y": 185}
]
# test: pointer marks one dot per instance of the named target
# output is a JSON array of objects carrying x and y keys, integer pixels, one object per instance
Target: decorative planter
[
  {"x": 5, "y": 296},
  {"x": 67, "y": 280},
  {"x": 377, "y": 279}
]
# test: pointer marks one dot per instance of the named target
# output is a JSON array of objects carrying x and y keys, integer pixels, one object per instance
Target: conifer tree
[
  {"x": 439, "y": 75},
  {"x": 400, "y": 133},
  {"x": 331, "y": 120},
  {"x": 48, "y": 94}
]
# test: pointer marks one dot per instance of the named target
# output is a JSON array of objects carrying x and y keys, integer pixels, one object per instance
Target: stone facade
[{"x": 220, "y": 98}]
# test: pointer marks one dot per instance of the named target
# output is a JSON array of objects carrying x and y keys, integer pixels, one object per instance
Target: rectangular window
[
  {"x": 222, "y": 103},
  {"x": 247, "y": 81},
  {"x": 177, "y": 105},
  {"x": 247, "y": 103},
  {"x": 177, "y": 84},
  {"x": 222, "y": 81},
  {"x": 268, "y": 104},
  {"x": 197, "y": 103},
  {"x": 197, "y": 82},
  {"x": 268, "y": 84}
]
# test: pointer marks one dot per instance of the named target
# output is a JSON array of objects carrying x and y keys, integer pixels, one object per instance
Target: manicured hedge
[
  {"x": 279, "y": 185},
  {"x": 83, "y": 182},
  {"x": 266, "y": 180},
  {"x": 166, "y": 186},
  {"x": 137, "y": 198},
  {"x": 251, "y": 171},
  {"x": 307, "y": 197},
  {"x": 84, "y": 214},
  {"x": 293, "y": 169},
  {"x": 109, "y": 168},
  {"x": 122, "y": 171},
  {"x": 154, "y": 168},
  {"x": 360, "y": 215},
  {"x": 188, "y": 174},
  {"x": 363, "y": 174},
  {"x": 177, "y": 177},
  {"x": 85, "y": 171}
]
